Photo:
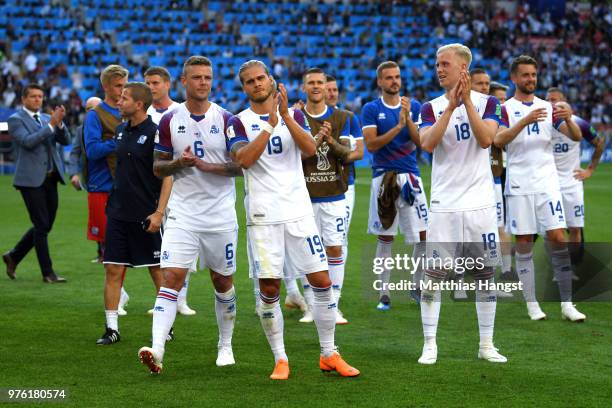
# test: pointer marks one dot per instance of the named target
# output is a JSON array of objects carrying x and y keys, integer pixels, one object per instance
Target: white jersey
[
  {"x": 275, "y": 187},
  {"x": 199, "y": 201},
  {"x": 531, "y": 165},
  {"x": 461, "y": 178},
  {"x": 156, "y": 114},
  {"x": 567, "y": 153}
]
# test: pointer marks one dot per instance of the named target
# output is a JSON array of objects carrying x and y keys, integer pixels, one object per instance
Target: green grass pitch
[{"x": 48, "y": 335}]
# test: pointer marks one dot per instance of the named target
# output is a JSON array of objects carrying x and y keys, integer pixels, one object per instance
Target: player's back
[
  {"x": 275, "y": 187},
  {"x": 530, "y": 162},
  {"x": 199, "y": 201},
  {"x": 461, "y": 176}
]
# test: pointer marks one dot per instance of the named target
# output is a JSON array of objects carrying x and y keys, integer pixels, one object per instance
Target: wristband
[{"x": 266, "y": 127}]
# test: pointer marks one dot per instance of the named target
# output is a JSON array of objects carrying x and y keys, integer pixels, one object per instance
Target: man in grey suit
[{"x": 38, "y": 168}]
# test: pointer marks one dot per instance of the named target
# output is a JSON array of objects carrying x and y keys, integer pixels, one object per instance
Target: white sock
[
  {"x": 164, "y": 314},
  {"x": 112, "y": 319},
  {"x": 506, "y": 263},
  {"x": 336, "y": 275},
  {"x": 291, "y": 286},
  {"x": 123, "y": 299},
  {"x": 383, "y": 250},
  {"x": 308, "y": 295},
  {"x": 431, "y": 301},
  {"x": 526, "y": 274},
  {"x": 225, "y": 309},
  {"x": 271, "y": 318},
  {"x": 562, "y": 268},
  {"x": 486, "y": 302},
  {"x": 256, "y": 293},
  {"x": 182, "y": 296},
  {"x": 418, "y": 252},
  {"x": 324, "y": 316}
]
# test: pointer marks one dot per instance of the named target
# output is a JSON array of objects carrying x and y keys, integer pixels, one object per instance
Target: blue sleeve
[
  {"x": 301, "y": 119},
  {"x": 235, "y": 133},
  {"x": 368, "y": 116},
  {"x": 415, "y": 109},
  {"x": 95, "y": 147},
  {"x": 356, "y": 132},
  {"x": 346, "y": 129},
  {"x": 492, "y": 110},
  {"x": 427, "y": 116}
]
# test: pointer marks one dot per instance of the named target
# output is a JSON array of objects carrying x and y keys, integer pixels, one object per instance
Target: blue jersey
[
  {"x": 98, "y": 172},
  {"x": 400, "y": 153}
]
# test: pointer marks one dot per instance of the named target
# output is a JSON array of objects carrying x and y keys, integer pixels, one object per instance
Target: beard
[
  {"x": 526, "y": 90},
  {"x": 392, "y": 91},
  {"x": 263, "y": 98}
]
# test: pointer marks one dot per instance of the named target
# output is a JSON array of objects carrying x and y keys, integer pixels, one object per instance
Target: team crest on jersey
[
  {"x": 382, "y": 116},
  {"x": 214, "y": 130},
  {"x": 142, "y": 139},
  {"x": 255, "y": 127},
  {"x": 181, "y": 129},
  {"x": 165, "y": 256}
]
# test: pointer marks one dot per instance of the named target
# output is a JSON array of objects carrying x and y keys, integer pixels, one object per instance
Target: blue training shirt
[
  {"x": 99, "y": 178},
  {"x": 400, "y": 153}
]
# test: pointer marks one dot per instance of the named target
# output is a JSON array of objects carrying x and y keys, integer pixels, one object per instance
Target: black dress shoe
[
  {"x": 11, "y": 266},
  {"x": 53, "y": 278}
]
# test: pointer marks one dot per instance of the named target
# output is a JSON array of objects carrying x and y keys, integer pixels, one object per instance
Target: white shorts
[
  {"x": 411, "y": 219},
  {"x": 217, "y": 250},
  {"x": 499, "y": 201},
  {"x": 349, "y": 202},
  {"x": 294, "y": 245},
  {"x": 535, "y": 213},
  {"x": 573, "y": 204},
  {"x": 470, "y": 233},
  {"x": 330, "y": 218}
]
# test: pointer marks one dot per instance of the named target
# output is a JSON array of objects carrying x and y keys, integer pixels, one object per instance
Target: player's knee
[
  {"x": 333, "y": 251},
  {"x": 556, "y": 237},
  {"x": 221, "y": 283},
  {"x": 173, "y": 279},
  {"x": 113, "y": 272},
  {"x": 270, "y": 288},
  {"x": 319, "y": 279}
]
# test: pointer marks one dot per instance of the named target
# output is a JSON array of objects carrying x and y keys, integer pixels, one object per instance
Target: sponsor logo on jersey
[
  {"x": 214, "y": 130},
  {"x": 142, "y": 139},
  {"x": 181, "y": 129},
  {"x": 120, "y": 136},
  {"x": 382, "y": 116},
  {"x": 255, "y": 127},
  {"x": 517, "y": 113}
]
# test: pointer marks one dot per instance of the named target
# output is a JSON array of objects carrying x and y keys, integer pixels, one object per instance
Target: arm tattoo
[{"x": 164, "y": 166}]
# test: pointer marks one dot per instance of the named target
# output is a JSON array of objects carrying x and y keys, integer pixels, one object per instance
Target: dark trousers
[{"x": 41, "y": 203}]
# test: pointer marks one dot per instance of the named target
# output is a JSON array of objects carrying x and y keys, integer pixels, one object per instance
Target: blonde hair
[
  {"x": 112, "y": 71},
  {"x": 459, "y": 49}
]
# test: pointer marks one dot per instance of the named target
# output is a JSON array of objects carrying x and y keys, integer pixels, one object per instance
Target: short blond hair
[
  {"x": 112, "y": 71},
  {"x": 459, "y": 49}
]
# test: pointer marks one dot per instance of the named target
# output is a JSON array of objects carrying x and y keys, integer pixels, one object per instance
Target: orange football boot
[
  {"x": 281, "y": 370},
  {"x": 336, "y": 363}
]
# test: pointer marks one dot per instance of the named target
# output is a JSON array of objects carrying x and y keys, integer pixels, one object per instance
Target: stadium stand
[{"x": 68, "y": 42}]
